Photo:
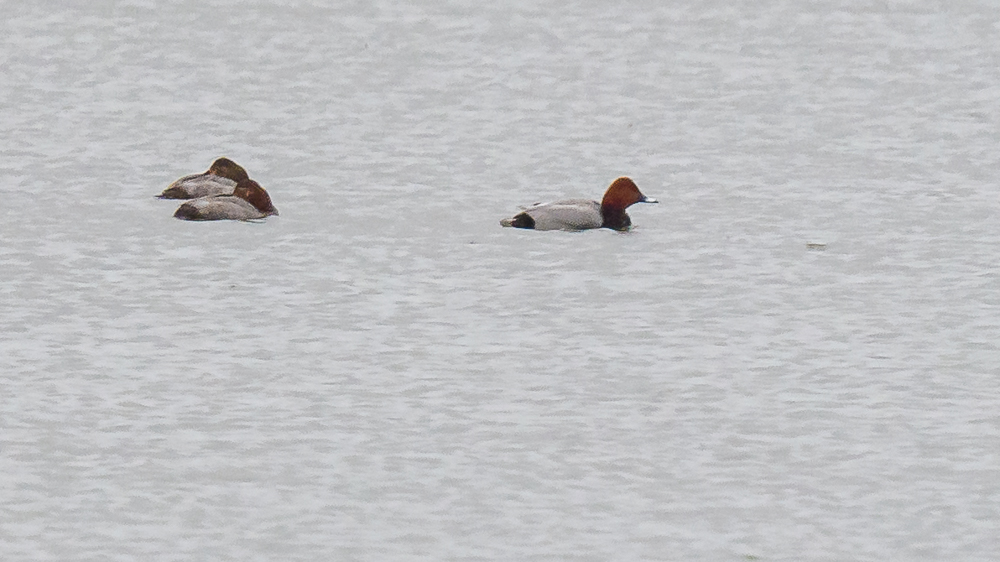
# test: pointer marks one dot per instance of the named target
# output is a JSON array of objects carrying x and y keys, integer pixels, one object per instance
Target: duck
[
  {"x": 220, "y": 179},
  {"x": 583, "y": 214},
  {"x": 248, "y": 201}
]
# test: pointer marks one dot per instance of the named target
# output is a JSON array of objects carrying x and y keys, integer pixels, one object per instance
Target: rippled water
[{"x": 793, "y": 357}]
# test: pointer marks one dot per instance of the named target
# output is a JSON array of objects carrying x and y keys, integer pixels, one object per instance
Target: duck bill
[{"x": 648, "y": 200}]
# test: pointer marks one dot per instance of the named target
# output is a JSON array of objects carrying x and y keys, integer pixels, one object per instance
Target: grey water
[{"x": 794, "y": 356}]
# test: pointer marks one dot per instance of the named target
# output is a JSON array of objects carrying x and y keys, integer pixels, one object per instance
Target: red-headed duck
[
  {"x": 583, "y": 214},
  {"x": 220, "y": 179},
  {"x": 249, "y": 201}
]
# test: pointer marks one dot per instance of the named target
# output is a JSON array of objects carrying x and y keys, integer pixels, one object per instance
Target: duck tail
[
  {"x": 187, "y": 212},
  {"x": 520, "y": 220}
]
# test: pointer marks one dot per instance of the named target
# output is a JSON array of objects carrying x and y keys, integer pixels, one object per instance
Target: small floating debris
[{"x": 815, "y": 246}]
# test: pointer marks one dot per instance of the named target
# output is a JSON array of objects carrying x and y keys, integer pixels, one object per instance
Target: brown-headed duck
[
  {"x": 249, "y": 201},
  {"x": 220, "y": 179},
  {"x": 583, "y": 214}
]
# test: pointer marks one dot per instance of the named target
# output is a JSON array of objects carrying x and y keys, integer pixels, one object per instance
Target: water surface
[{"x": 383, "y": 373}]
